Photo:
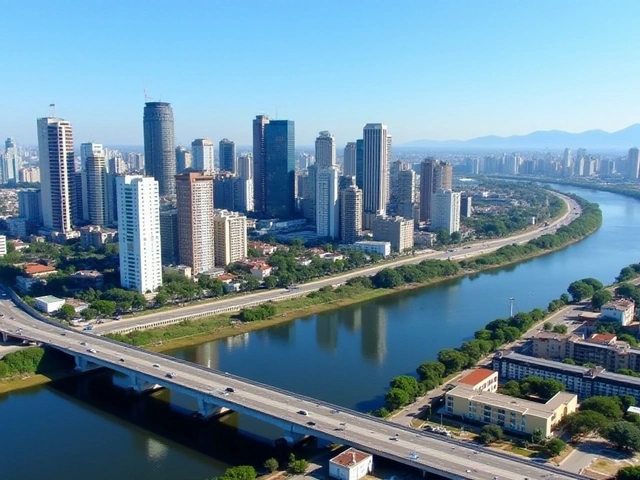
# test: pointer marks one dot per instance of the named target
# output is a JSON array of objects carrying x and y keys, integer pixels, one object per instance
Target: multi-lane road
[
  {"x": 238, "y": 302},
  {"x": 435, "y": 454}
]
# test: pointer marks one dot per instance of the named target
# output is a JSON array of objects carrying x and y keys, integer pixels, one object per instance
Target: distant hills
[{"x": 551, "y": 139}]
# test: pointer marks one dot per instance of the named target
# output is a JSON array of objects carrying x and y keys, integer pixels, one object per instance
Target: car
[
  {"x": 63, "y": 333},
  {"x": 156, "y": 365},
  {"x": 303, "y": 412},
  {"x": 122, "y": 359},
  {"x": 1, "y": 315},
  {"x": 92, "y": 350},
  {"x": 170, "y": 374},
  {"x": 100, "y": 321},
  {"x": 393, "y": 439},
  {"x": 229, "y": 389},
  {"x": 11, "y": 318},
  {"x": 414, "y": 455},
  {"x": 311, "y": 424},
  {"x": 83, "y": 343}
]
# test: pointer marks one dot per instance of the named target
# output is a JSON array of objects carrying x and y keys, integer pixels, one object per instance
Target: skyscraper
[
  {"x": 202, "y": 155},
  {"x": 325, "y": 150},
  {"x": 194, "y": 198},
  {"x": 434, "y": 176},
  {"x": 327, "y": 206},
  {"x": 184, "y": 159},
  {"x": 349, "y": 160},
  {"x": 88, "y": 149},
  {"x": 375, "y": 170},
  {"x": 230, "y": 237},
  {"x": 159, "y": 148},
  {"x": 11, "y": 162},
  {"x": 259, "y": 168},
  {"x": 633, "y": 163},
  {"x": 359, "y": 163},
  {"x": 139, "y": 233},
  {"x": 279, "y": 182},
  {"x": 169, "y": 235},
  {"x": 227, "y": 154},
  {"x": 350, "y": 214},
  {"x": 29, "y": 206},
  {"x": 95, "y": 194},
  {"x": 245, "y": 168},
  {"x": 57, "y": 166}
]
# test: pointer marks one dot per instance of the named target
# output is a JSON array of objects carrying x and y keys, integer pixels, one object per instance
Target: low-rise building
[
  {"x": 371, "y": 246},
  {"x": 351, "y": 464},
  {"x": 481, "y": 379},
  {"x": 396, "y": 230},
  {"x": 49, "y": 303},
  {"x": 621, "y": 310},
  {"x": 97, "y": 237},
  {"x": 3, "y": 245},
  {"x": 261, "y": 270},
  {"x": 88, "y": 279},
  {"x": 514, "y": 414},
  {"x": 77, "y": 305},
  {"x": 36, "y": 270},
  {"x": 184, "y": 270}
]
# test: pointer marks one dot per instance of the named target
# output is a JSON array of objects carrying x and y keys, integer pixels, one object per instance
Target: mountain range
[{"x": 550, "y": 139}]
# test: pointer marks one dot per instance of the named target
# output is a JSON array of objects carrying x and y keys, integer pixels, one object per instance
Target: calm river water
[{"x": 79, "y": 428}]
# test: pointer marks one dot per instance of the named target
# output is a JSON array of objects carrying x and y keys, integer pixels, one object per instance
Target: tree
[
  {"x": 547, "y": 326},
  {"x": 251, "y": 283},
  {"x": 456, "y": 237},
  {"x": 599, "y": 298},
  {"x": 564, "y": 298},
  {"x": 387, "y": 278},
  {"x": 241, "y": 472},
  {"x": 560, "y": 329},
  {"x": 490, "y": 434},
  {"x": 607, "y": 406},
  {"x": 396, "y": 398},
  {"x": 511, "y": 388},
  {"x": 161, "y": 299},
  {"x": 630, "y": 339},
  {"x": 67, "y": 312},
  {"x": 537, "y": 436},
  {"x": 409, "y": 385},
  {"x": 628, "y": 473},
  {"x": 297, "y": 466},
  {"x": 105, "y": 307},
  {"x": 624, "y": 435},
  {"x": 549, "y": 387},
  {"x": 270, "y": 282},
  {"x": 271, "y": 464},
  {"x": 453, "y": 360},
  {"x": 580, "y": 290},
  {"x": 443, "y": 237},
  {"x": 569, "y": 361},
  {"x": 89, "y": 313},
  {"x": 593, "y": 283},
  {"x": 583, "y": 423},
  {"x": 554, "y": 447}
]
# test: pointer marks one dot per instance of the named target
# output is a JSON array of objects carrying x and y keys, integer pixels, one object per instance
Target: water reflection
[{"x": 374, "y": 333}]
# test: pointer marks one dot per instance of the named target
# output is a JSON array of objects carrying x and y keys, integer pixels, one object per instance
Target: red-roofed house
[
  {"x": 36, "y": 270},
  {"x": 481, "y": 379},
  {"x": 260, "y": 270},
  {"x": 351, "y": 464}
]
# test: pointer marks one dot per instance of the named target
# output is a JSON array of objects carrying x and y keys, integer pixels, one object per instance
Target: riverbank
[{"x": 222, "y": 326}]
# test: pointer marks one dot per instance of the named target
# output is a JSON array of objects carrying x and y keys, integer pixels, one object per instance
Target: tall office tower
[
  {"x": 230, "y": 237},
  {"x": 11, "y": 162},
  {"x": 434, "y": 176},
  {"x": 57, "y": 165},
  {"x": 95, "y": 194},
  {"x": 169, "y": 235},
  {"x": 387, "y": 174},
  {"x": 350, "y": 214},
  {"x": 194, "y": 198},
  {"x": 245, "y": 167},
  {"x": 327, "y": 206},
  {"x": 202, "y": 155},
  {"x": 325, "y": 150},
  {"x": 242, "y": 195},
  {"x": 405, "y": 195},
  {"x": 87, "y": 150},
  {"x": 607, "y": 167},
  {"x": 259, "y": 166},
  {"x": 345, "y": 181},
  {"x": 159, "y": 148},
  {"x": 309, "y": 193},
  {"x": 30, "y": 175},
  {"x": 360, "y": 163},
  {"x": 446, "y": 211},
  {"x": 349, "y": 160},
  {"x": 280, "y": 157},
  {"x": 111, "y": 198},
  {"x": 139, "y": 233},
  {"x": 579, "y": 165},
  {"x": 223, "y": 191},
  {"x": 633, "y": 164},
  {"x": 29, "y": 205},
  {"x": 227, "y": 155},
  {"x": 566, "y": 161},
  {"x": 376, "y": 169},
  {"x": 184, "y": 160}
]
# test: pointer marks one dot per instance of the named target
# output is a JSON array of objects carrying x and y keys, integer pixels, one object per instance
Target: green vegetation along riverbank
[
  {"x": 360, "y": 289},
  {"x": 32, "y": 366}
]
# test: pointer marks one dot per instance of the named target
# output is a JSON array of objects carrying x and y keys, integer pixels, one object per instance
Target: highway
[
  {"x": 430, "y": 452},
  {"x": 238, "y": 302}
]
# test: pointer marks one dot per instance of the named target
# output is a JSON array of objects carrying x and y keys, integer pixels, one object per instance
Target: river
[{"x": 79, "y": 428}]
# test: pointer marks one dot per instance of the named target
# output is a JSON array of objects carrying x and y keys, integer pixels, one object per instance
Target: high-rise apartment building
[
  {"x": 159, "y": 147},
  {"x": 350, "y": 214},
  {"x": 259, "y": 165},
  {"x": 230, "y": 237},
  {"x": 184, "y": 160},
  {"x": 227, "y": 155},
  {"x": 633, "y": 163},
  {"x": 169, "y": 235},
  {"x": 242, "y": 195},
  {"x": 349, "y": 160},
  {"x": 434, "y": 176},
  {"x": 375, "y": 172},
  {"x": 325, "y": 150},
  {"x": 139, "y": 233},
  {"x": 279, "y": 150},
  {"x": 202, "y": 155},
  {"x": 194, "y": 199},
  {"x": 327, "y": 205},
  {"x": 29, "y": 206},
  {"x": 395, "y": 230},
  {"x": 57, "y": 167},
  {"x": 89, "y": 149},
  {"x": 310, "y": 185},
  {"x": 29, "y": 175},
  {"x": 94, "y": 181},
  {"x": 10, "y": 162},
  {"x": 445, "y": 212},
  {"x": 360, "y": 163},
  {"x": 245, "y": 167}
]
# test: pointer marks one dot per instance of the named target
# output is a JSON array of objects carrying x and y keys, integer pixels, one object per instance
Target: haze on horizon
[{"x": 436, "y": 70}]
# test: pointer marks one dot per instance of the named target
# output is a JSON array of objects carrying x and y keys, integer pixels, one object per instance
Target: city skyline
[{"x": 474, "y": 83}]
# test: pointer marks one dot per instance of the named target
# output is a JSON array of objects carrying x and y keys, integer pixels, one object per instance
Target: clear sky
[{"x": 429, "y": 69}]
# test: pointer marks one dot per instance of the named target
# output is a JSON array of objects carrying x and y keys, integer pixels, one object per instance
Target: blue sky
[{"x": 428, "y": 69}]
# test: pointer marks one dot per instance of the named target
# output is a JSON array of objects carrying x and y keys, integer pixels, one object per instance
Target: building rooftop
[
  {"x": 621, "y": 304},
  {"x": 371, "y": 242},
  {"x": 36, "y": 268},
  {"x": 602, "y": 338},
  {"x": 552, "y": 336},
  {"x": 477, "y": 376},
  {"x": 525, "y": 407},
  {"x": 350, "y": 457},
  {"x": 49, "y": 299},
  {"x": 87, "y": 273}
]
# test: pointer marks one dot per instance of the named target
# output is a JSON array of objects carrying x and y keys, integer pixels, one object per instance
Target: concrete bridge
[{"x": 298, "y": 416}]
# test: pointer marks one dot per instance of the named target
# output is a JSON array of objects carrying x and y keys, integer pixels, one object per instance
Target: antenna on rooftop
[
  {"x": 52, "y": 110},
  {"x": 147, "y": 98}
]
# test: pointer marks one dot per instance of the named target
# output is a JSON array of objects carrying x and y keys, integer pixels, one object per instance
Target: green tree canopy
[
  {"x": 600, "y": 297},
  {"x": 490, "y": 433},
  {"x": 624, "y": 435},
  {"x": 242, "y": 472},
  {"x": 396, "y": 398},
  {"x": 629, "y": 473},
  {"x": 586, "y": 422},
  {"x": 453, "y": 360},
  {"x": 580, "y": 290},
  {"x": 607, "y": 406},
  {"x": 554, "y": 447}
]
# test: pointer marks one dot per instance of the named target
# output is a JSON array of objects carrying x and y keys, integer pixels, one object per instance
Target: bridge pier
[
  {"x": 292, "y": 438},
  {"x": 84, "y": 365},
  {"x": 5, "y": 337},
  {"x": 208, "y": 410},
  {"x": 133, "y": 383}
]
